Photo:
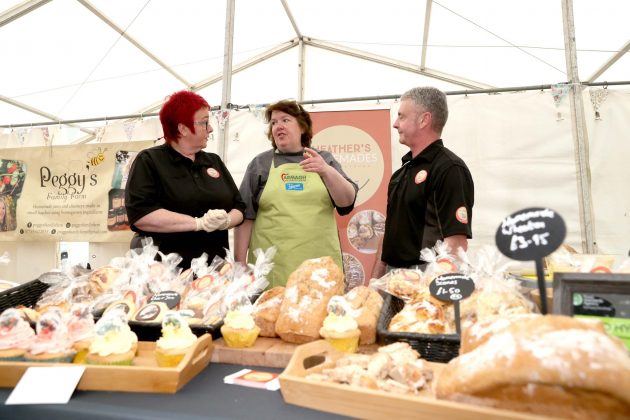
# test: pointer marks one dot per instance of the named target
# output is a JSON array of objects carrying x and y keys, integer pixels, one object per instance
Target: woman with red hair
[{"x": 182, "y": 197}]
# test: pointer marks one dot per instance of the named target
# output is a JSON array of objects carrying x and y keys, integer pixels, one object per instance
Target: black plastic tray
[
  {"x": 25, "y": 294},
  {"x": 151, "y": 331},
  {"x": 432, "y": 347}
]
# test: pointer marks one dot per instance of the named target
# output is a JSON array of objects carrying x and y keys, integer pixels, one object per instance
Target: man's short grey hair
[{"x": 430, "y": 99}]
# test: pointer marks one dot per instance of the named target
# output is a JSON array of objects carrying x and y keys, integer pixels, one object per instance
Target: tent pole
[
  {"x": 56, "y": 121},
  {"x": 227, "y": 81},
  {"x": 580, "y": 134},
  {"x": 301, "y": 70}
]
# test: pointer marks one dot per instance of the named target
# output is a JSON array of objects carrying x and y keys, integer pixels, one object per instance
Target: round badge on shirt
[
  {"x": 213, "y": 173},
  {"x": 420, "y": 177},
  {"x": 461, "y": 214}
]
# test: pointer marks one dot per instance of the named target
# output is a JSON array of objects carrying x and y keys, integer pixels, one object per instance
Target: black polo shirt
[
  {"x": 428, "y": 199},
  {"x": 161, "y": 178}
]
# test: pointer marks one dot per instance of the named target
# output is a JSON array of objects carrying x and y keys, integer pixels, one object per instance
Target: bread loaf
[
  {"x": 367, "y": 303},
  {"x": 308, "y": 290},
  {"x": 267, "y": 310},
  {"x": 550, "y": 365}
]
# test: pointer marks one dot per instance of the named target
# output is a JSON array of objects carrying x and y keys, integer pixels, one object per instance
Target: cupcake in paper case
[
  {"x": 52, "y": 344},
  {"x": 15, "y": 336},
  {"x": 239, "y": 329},
  {"x": 81, "y": 328},
  {"x": 114, "y": 343},
  {"x": 340, "y": 328},
  {"x": 176, "y": 340}
]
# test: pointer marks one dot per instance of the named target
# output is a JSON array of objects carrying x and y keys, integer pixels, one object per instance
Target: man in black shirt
[{"x": 431, "y": 196}]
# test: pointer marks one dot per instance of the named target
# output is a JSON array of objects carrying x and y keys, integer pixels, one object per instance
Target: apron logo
[
  {"x": 292, "y": 178},
  {"x": 420, "y": 177},
  {"x": 461, "y": 214},
  {"x": 213, "y": 173}
]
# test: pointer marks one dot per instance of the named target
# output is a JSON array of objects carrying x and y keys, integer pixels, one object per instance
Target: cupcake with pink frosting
[
  {"x": 81, "y": 330},
  {"x": 52, "y": 344},
  {"x": 15, "y": 336}
]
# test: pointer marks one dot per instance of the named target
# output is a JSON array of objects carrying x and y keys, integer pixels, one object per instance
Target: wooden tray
[
  {"x": 266, "y": 352},
  {"x": 366, "y": 403},
  {"x": 143, "y": 376}
]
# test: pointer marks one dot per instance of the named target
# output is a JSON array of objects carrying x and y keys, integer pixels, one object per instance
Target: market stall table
[{"x": 205, "y": 396}]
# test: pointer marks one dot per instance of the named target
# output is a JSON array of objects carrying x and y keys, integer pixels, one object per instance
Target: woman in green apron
[{"x": 291, "y": 192}]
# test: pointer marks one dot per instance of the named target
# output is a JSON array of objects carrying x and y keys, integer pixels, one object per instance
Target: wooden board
[
  {"x": 266, "y": 352},
  {"x": 366, "y": 403},
  {"x": 143, "y": 376}
]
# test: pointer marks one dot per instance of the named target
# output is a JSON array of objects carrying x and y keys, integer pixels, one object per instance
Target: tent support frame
[
  {"x": 580, "y": 134},
  {"x": 228, "y": 51}
]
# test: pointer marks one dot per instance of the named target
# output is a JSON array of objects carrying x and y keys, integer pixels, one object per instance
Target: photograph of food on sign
[
  {"x": 365, "y": 230},
  {"x": 12, "y": 175}
]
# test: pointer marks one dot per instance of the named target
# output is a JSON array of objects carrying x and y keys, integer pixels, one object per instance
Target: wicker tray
[
  {"x": 25, "y": 294},
  {"x": 432, "y": 347},
  {"x": 366, "y": 403},
  {"x": 143, "y": 376}
]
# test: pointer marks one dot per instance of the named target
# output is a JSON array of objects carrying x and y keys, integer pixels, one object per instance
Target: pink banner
[{"x": 360, "y": 141}]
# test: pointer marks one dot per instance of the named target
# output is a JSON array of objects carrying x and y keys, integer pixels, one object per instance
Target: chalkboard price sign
[
  {"x": 530, "y": 234},
  {"x": 452, "y": 287},
  {"x": 169, "y": 297}
]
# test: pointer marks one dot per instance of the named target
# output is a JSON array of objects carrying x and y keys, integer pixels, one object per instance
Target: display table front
[{"x": 205, "y": 396}]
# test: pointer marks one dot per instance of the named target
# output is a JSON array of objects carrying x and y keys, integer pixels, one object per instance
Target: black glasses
[{"x": 205, "y": 123}]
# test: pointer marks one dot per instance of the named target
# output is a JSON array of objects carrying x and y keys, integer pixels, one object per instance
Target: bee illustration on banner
[{"x": 95, "y": 158}]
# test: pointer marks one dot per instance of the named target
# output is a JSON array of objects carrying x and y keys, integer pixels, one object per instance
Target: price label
[
  {"x": 452, "y": 287},
  {"x": 530, "y": 234},
  {"x": 169, "y": 297}
]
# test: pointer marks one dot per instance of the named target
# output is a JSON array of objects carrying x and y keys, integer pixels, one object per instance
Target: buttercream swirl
[
  {"x": 238, "y": 319},
  {"x": 15, "y": 332},
  {"x": 52, "y": 335},
  {"x": 176, "y": 337},
  {"x": 340, "y": 323},
  {"x": 81, "y": 329},
  {"x": 113, "y": 342},
  {"x": 113, "y": 336}
]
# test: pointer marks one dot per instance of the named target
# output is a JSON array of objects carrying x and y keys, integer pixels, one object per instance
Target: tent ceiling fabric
[{"x": 66, "y": 59}]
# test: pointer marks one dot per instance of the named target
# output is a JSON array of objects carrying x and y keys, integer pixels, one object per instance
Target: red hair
[{"x": 180, "y": 108}]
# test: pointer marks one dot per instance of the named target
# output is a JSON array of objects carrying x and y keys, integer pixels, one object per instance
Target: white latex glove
[
  {"x": 214, "y": 219},
  {"x": 198, "y": 223},
  {"x": 227, "y": 223}
]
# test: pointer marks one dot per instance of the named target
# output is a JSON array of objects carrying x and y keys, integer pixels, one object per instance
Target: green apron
[{"x": 296, "y": 214}]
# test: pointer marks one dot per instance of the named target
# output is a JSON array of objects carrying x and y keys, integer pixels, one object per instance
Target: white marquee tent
[{"x": 78, "y": 66}]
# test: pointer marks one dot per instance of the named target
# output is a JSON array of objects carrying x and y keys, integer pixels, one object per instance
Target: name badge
[{"x": 294, "y": 186}]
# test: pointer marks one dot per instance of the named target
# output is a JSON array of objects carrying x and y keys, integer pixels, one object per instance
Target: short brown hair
[{"x": 298, "y": 112}]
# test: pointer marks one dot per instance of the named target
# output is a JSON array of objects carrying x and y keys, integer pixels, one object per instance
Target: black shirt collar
[
  {"x": 201, "y": 158},
  {"x": 428, "y": 154}
]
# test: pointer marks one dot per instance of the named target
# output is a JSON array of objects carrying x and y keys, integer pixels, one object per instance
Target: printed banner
[
  {"x": 360, "y": 141},
  {"x": 66, "y": 193}
]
